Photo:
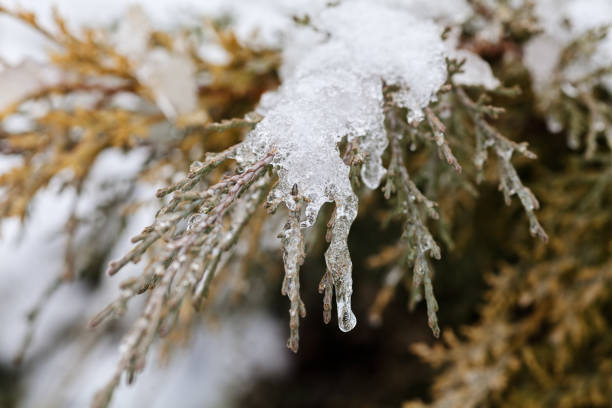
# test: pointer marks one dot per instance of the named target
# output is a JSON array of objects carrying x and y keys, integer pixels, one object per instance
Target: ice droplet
[
  {"x": 505, "y": 152},
  {"x": 569, "y": 89},
  {"x": 346, "y": 319},
  {"x": 553, "y": 124},
  {"x": 193, "y": 221},
  {"x": 195, "y": 166},
  {"x": 573, "y": 142},
  {"x": 599, "y": 125}
]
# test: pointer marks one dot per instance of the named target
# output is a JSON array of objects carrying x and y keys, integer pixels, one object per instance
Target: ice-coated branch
[
  {"x": 189, "y": 259},
  {"x": 338, "y": 259},
  {"x": 488, "y": 137},
  {"x": 420, "y": 242},
  {"x": 292, "y": 238},
  {"x": 438, "y": 130}
]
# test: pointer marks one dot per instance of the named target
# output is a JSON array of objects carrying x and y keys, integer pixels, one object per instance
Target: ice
[
  {"x": 475, "y": 70},
  {"x": 339, "y": 263},
  {"x": 564, "y": 21},
  {"x": 25, "y": 79},
  {"x": 133, "y": 33},
  {"x": 170, "y": 75},
  {"x": 293, "y": 257},
  {"x": 540, "y": 57},
  {"x": 333, "y": 89}
]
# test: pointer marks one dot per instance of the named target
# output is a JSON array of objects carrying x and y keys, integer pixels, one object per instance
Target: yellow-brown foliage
[{"x": 70, "y": 137}]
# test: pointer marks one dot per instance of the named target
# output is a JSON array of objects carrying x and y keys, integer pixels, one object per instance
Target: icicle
[
  {"x": 293, "y": 257},
  {"x": 338, "y": 259}
]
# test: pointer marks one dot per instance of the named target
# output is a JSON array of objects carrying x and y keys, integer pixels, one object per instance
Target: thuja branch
[
  {"x": 488, "y": 137},
  {"x": 189, "y": 259},
  {"x": 420, "y": 243}
]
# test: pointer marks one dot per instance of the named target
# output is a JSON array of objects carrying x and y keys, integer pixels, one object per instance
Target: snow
[
  {"x": 217, "y": 365},
  {"x": 172, "y": 78},
  {"x": 475, "y": 70},
  {"x": 208, "y": 371},
  {"x": 334, "y": 89},
  {"x": 171, "y": 75},
  {"x": 444, "y": 11},
  {"x": 564, "y": 21},
  {"x": 24, "y": 79},
  {"x": 32, "y": 253}
]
